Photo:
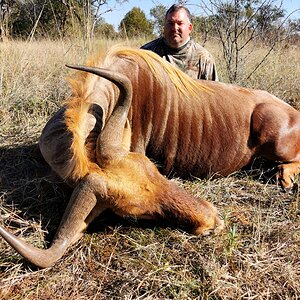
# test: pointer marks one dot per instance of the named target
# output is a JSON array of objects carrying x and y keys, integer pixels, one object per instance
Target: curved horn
[
  {"x": 80, "y": 211},
  {"x": 110, "y": 146},
  {"x": 120, "y": 80}
]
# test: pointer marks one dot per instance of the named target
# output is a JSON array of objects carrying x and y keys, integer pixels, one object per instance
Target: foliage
[
  {"x": 295, "y": 25},
  {"x": 39, "y": 17},
  {"x": 105, "y": 30},
  {"x": 203, "y": 27},
  {"x": 158, "y": 13},
  {"x": 25, "y": 18},
  {"x": 56, "y": 18},
  {"x": 236, "y": 23},
  {"x": 135, "y": 23},
  {"x": 294, "y": 29}
]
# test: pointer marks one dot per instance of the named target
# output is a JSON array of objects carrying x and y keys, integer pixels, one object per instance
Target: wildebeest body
[
  {"x": 215, "y": 129},
  {"x": 97, "y": 142},
  {"x": 188, "y": 127}
]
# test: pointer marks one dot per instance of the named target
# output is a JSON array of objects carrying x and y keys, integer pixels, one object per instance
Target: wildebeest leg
[
  {"x": 276, "y": 136},
  {"x": 286, "y": 174},
  {"x": 83, "y": 207}
]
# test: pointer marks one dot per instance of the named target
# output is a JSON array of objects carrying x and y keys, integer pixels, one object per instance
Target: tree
[
  {"x": 203, "y": 27},
  {"x": 238, "y": 23},
  {"x": 135, "y": 23},
  {"x": 39, "y": 18},
  {"x": 6, "y": 17},
  {"x": 158, "y": 13},
  {"x": 105, "y": 30},
  {"x": 293, "y": 27},
  {"x": 34, "y": 17},
  {"x": 83, "y": 16},
  {"x": 51, "y": 18}
]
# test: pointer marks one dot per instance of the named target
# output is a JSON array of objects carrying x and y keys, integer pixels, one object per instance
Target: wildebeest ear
[{"x": 97, "y": 111}]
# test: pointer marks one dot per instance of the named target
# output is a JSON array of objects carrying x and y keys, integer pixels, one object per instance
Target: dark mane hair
[{"x": 176, "y": 7}]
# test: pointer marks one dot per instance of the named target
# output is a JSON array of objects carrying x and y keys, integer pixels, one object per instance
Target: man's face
[{"x": 177, "y": 28}]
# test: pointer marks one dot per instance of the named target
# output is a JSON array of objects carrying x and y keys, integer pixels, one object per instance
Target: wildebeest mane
[
  {"x": 82, "y": 82},
  {"x": 82, "y": 160},
  {"x": 184, "y": 83}
]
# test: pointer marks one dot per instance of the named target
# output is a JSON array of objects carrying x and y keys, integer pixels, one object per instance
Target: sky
[{"x": 120, "y": 10}]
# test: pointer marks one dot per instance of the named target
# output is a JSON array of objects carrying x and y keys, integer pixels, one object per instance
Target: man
[{"x": 179, "y": 49}]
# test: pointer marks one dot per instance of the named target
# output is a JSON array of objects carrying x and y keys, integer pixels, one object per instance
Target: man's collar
[{"x": 177, "y": 49}]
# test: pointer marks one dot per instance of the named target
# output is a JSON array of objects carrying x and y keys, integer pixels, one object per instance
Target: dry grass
[
  {"x": 257, "y": 257},
  {"x": 278, "y": 73}
]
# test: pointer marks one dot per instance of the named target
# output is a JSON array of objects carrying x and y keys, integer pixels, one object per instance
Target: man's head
[{"x": 177, "y": 26}]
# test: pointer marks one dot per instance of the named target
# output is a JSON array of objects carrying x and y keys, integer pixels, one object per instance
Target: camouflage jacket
[{"x": 191, "y": 58}]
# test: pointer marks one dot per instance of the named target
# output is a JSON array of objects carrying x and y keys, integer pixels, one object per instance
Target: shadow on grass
[
  {"x": 28, "y": 184},
  {"x": 261, "y": 170}
]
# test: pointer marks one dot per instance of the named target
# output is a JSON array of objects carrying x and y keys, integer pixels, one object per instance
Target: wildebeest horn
[
  {"x": 120, "y": 80},
  {"x": 110, "y": 144},
  {"x": 81, "y": 210}
]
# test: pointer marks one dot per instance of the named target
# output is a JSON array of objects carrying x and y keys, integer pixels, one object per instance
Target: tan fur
[
  {"x": 75, "y": 119},
  {"x": 190, "y": 127},
  {"x": 130, "y": 187},
  {"x": 95, "y": 159},
  {"x": 181, "y": 81}
]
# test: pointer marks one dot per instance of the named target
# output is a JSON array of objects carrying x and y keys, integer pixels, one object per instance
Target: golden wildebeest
[{"x": 134, "y": 103}]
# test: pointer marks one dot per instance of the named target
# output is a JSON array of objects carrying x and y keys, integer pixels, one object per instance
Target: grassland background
[{"x": 257, "y": 257}]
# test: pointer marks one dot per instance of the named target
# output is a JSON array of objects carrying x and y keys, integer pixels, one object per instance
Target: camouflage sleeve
[
  {"x": 207, "y": 68},
  {"x": 205, "y": 62}
]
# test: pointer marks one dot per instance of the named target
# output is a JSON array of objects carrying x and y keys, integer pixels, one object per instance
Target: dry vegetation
[{"x": 257, "y": 257}]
